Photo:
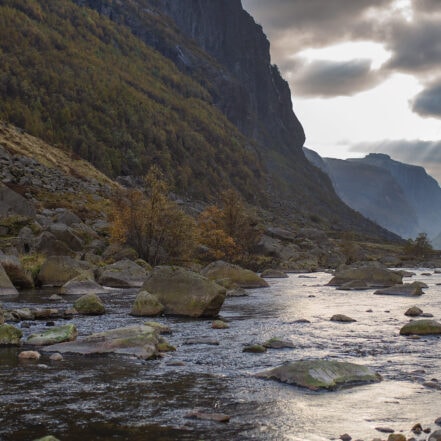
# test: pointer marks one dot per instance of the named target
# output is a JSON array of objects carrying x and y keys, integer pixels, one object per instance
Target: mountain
[
  {"x": 400, "y": 197},
  {"x": 188, "y": 86}
]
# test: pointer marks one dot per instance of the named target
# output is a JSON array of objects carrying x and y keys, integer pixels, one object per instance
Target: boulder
[
  {"x": 254, "y": 349},
  {"x": 83, "y": 284},
  {"x": 19, "y": 277},
  {"x": 277, "y": 343},
  {"x": 274, "y": 274},
  {"x": 6, "y": 286},
  {"x": 139, "y": 340},
  {"x": 11, "y": 203},
  {"x": 90, "y": 304},
  {"x": 115, "y": 252},
  {"x": 354, "y": 285},
  {"x": 57, "y": 270},
  {"x": 122, "y": 274},
  {"x": 435, "y": 436},
  {"x": 421, "y": 327},
  {"x": 54, "y": 335},
  {"x": 49, "y": 245},
  {"x": 161, "y": 328},
  {"x": 68, "y": 218},
  {"x": 406, "y": 289},
  {"x": 146, "y": 305},
  {"x": 372, "y": 276},
  {"x": 66, "y": 235},
  {"x": 322, "y": 374},
  {"x": 29, "y": 355},
  {"x": 9, "y": 335},
  {"x": 414, "y": 311},
  {"x": 184, "y": 292},
  {"x": 219, "y": 324},
  {"x": 233, "y": 275},
  {"x": 342, "y": 318}
]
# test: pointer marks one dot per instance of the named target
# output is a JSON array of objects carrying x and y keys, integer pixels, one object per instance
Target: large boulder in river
[
  {"x": 184, "y": 292},
  {"x": 57, "y": 270},
  {"x": 421, "y": 327},
  {"x": 54, "y": 335},
  {"x": 322, "y": 374},
  {"x": 19, "y": 277},
  {"x": 372, "y": 276},
  {"x": 140, "y": 340},
  {"x": 6, "y": 286},
  {"x": 83, "y": 284},
  {"x": 230, "y": 275},
  {"x": 146, "y": 305},
  {"x": 406, "y": 289},
  {"x": 122, "y": 274},
  {"x": 10, "y": 335},
  {"x": 90, "y": 304}
]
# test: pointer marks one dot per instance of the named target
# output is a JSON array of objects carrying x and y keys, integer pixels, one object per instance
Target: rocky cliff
[{"x": 400, "y": 197}]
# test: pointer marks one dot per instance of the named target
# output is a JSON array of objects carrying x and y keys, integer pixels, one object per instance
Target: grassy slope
[{"x": 77, "y": 80}]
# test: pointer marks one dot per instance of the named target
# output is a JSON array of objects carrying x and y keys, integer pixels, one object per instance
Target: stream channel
[{"x": 121, "y": 398}]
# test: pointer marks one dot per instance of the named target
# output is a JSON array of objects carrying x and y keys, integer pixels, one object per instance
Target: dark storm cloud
[
  {"x": 424, "y": 153},
  {"x": 331, "y": 78},
  {"x": 428, "y": 102}
]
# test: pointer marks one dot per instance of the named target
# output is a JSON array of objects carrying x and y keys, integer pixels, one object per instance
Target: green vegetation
[
  {"x": 420, "y": 247},
  {"x": 78, "y": 80}
]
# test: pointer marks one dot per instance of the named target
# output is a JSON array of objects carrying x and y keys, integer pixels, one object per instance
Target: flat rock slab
[
  {"x": 322, "y": 374},
  {"x": 55, "y": 335},
  {"x": 140, "y": 341},
  {"x": 421, "y": 327},
  {"x": 407, "y": 289}
]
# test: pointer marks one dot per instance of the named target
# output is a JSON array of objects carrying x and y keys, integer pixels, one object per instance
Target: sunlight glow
[{"x": 350, "y": 51}]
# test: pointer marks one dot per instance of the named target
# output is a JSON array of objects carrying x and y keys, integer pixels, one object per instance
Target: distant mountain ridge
[{"x": 400, "y": 197}]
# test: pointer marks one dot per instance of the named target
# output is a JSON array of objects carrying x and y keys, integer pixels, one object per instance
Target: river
[{"x": 122, "y": 398}]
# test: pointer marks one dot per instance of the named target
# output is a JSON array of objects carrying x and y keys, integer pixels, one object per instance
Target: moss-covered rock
[
  {"x": 278, "y": 343},
  {"x": 342, "y": 318},
  {"x": 421, "y": 327},
  {"x": 372, "y": 276},
  {"x": 54, "y": 335},
  {"x": 139, "y": 340},
  {"x": 220, "y": 324},
  {"x": 233, "y": 275},
  {"x": 57, "y": 270},
  {"x": 322, "y": 374},
  {"x": 146, "y": 305},
  {"x": 254, "y": 349},
  {"x": 184, "y": 292},
  {"x": 413, "y": 311},
  {"x": 10, "y": 335},
  {"x": 90, "y": 304}
]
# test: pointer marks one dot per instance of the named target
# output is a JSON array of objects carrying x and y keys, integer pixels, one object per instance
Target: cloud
[
  {"x": 428, "y": 102},
  {"x": 332, "y": 78},
  {"x": 424, "y": 153}
]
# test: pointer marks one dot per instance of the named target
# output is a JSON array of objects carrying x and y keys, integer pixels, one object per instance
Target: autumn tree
[
  {"x": 230, "y": 231},
  {"x": 420, "y": 247},
  {"x": 152, "y": 224}
]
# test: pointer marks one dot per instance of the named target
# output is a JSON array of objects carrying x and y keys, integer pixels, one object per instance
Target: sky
[{"x": 365, "y": 75}]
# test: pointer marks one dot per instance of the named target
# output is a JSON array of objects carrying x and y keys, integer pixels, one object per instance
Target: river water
[{"x": 122, "y": 398}]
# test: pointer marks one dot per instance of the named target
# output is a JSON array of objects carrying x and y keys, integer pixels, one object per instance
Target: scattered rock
[
  {"x": 426, "y": 274},
  {"x": 218, "y": 417},
  {"x": 29, "y": 355},
  {"x": 47, "y": 438},
  {"x": 420, "y": 284},
  {"x": 277, "y": 343},
  {"x": 322, "y": 374},
  {"x": 385, "y": 429},
  {"x": 56, "y": 357},
  {"x": 421, "y": 327},
  {"x": 233, "y": 275},
  {"x": 414, "y": 311},
  {"x": 55, "y": 298},
  {"x": 184, "y": 292},
  {"x": 146, "y": 305},
  {"x": 342, "y": 318},
  {"x": 162, "y": 329},
  {"x": 237, "y": 292},
  {"x": 407, "y": 289},
  {"x": 274, "y": 274},
  {"x": 138, "y": 340},
  {"x": 55, "y": 335},
  {"x": 201, "y": 341},
  {"x": 122, "y": 274},
  {"x": 435, "y": 436},
  {"x": 426, "y": 315},
  {"x": 396, "y": 437},
  {"x": 255, "y": 349},
  {"x": 220, "y": 324},
  {"x": 10, "y": 336},
  {"x": 417, "y": 429},
  {"x": 432, "y": 385},
  {"x": 90, "y": 304},
  {"x": 354, "y": 285},
  {"x": 345, "y": 437},
  {"x": 438, "y": 421}
]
